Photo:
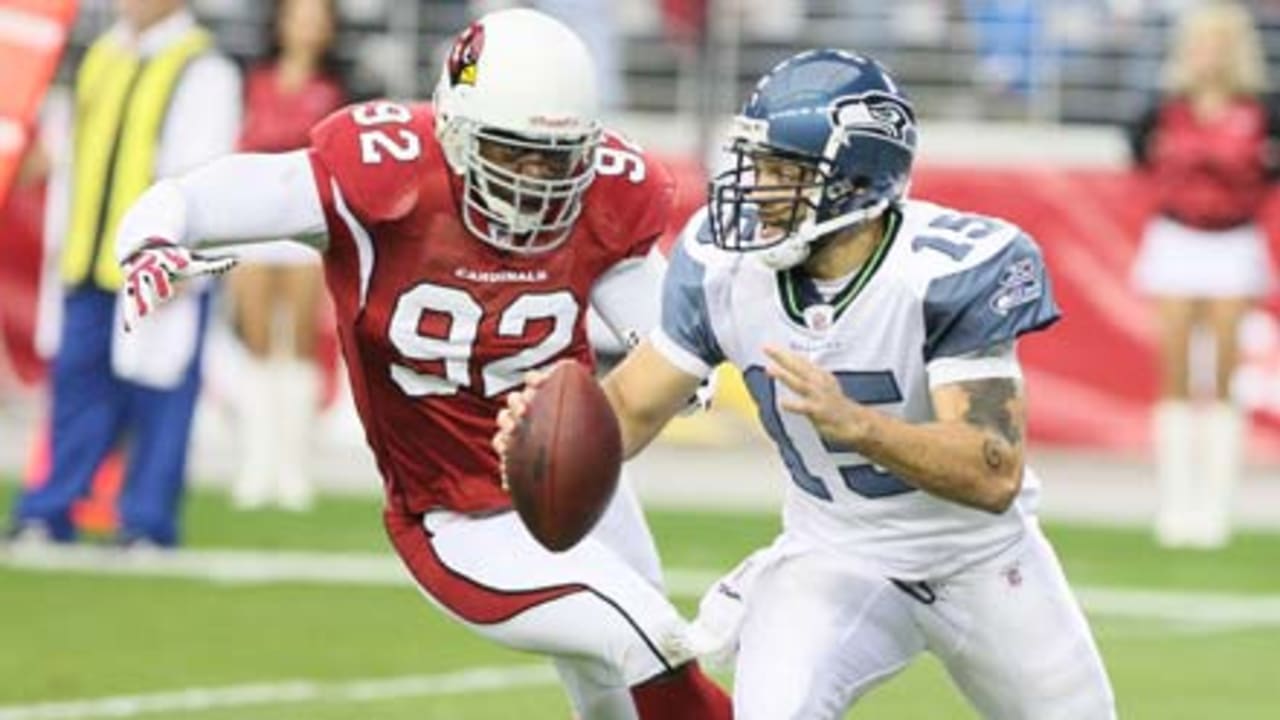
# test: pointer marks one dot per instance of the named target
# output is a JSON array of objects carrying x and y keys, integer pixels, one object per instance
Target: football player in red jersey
[{"x": 463, "y": 241}]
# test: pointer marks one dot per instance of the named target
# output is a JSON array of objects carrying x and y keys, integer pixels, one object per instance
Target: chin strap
[{"x": 797, "y": 248}]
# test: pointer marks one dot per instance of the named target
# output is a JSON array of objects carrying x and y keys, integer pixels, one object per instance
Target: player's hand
[
  {"x": 510, "y": 417},
  {"x": 817, "y": 395},
  {"x": 153, "y": 272}
]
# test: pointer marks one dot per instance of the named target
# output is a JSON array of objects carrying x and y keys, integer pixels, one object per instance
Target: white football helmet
[{"x": 516, "y": 84}]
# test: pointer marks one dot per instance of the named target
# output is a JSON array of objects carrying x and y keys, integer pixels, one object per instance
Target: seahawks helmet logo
[{"x": 875, "y": 113}]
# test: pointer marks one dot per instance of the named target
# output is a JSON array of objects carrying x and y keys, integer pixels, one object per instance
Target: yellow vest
[{"x": 121, "y": 103}]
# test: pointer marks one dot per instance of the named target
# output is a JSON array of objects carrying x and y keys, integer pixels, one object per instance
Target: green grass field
[{"x": 82, "y": 636}]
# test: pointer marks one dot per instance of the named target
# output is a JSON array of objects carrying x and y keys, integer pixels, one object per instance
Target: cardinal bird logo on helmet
[{"x": 466, "y": 55}]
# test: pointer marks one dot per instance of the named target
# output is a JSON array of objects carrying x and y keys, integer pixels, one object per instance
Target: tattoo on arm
[
  {"x": 993, "y": 404},
  {"x": 993, "y": 454}
]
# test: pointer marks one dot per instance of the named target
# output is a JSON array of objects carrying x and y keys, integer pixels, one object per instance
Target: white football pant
[{"x": 820, "y": 631}]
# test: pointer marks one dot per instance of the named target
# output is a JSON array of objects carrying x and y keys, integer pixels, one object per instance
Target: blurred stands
[{"x": 1074, "y": 61}]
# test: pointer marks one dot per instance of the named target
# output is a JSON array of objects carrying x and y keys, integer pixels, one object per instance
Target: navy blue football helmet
[{"x": 845, "y": 133}]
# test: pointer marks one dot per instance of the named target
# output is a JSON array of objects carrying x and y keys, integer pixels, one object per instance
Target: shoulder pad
[
  {"x": 686, "y": 317},
  {"x": 995, "y": 296},
  {"x": 695, "y": 240},
  {"x": 375, "y": 152},
  {"x": 629, "y": 204}
]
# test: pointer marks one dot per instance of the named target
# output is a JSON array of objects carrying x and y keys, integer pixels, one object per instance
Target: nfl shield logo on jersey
[{"x": 819, "y": 317}]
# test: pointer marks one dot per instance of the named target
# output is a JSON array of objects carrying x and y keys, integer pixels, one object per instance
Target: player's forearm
[
  {"x": 955, "y": 460},
  {"x": 639, "y": 424},
  {"x": 236, "y": 199},
  {"x": 645, "y": 392}
]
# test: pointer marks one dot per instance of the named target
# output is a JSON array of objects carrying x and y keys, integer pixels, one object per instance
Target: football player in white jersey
[{"x": 878, "y": 337}]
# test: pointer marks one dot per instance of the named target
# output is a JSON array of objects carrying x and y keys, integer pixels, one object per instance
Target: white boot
[
  {"x": 255, "y": 478},
  {"x": 298, "y": 384},
  {"x": 1175, "y": 472},
  {"x": 1223, "y": 435}
]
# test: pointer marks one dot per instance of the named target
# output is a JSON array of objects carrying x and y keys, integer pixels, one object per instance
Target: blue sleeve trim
[
  {"x": 685, "y": 318},
  {"x": 1006, "y": 296}
]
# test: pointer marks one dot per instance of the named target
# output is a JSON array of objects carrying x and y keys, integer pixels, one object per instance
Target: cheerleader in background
[
  {"x": 276, "y": 289},
  {"x": 1206, "y": 146}
]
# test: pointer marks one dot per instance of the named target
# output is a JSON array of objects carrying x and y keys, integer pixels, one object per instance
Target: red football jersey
[{"x": 437, "y": 325}]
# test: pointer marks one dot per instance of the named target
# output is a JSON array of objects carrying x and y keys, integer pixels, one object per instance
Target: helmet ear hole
[
  {"x": 838, "y": 191},
  {"x": 859, "y": 186}
]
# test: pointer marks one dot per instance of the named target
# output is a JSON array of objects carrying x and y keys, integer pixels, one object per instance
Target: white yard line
[
  {"x": 269, "y": 567},
  {"x": 480, "y": 679}
]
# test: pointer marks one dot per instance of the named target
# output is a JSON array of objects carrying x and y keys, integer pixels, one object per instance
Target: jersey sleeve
[
  {"x": 998, "y": 361},
  {"x": 636, "y": 192},
  {"x": 995, "y": 301},
  {"x": 370, "y": 168},
  {"x": 685, "y": 334},
  {"x": 654, "y": 217},
  {"x": 241, "y": 198}
]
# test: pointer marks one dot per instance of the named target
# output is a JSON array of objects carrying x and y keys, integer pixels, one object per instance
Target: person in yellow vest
[{"x": 153, "y": 99}]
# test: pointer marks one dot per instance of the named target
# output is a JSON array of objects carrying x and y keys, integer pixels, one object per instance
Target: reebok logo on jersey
[{"x": 1019, "y": 285}]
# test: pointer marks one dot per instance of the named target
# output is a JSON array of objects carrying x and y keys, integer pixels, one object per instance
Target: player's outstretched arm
[
  {"x": 237, "y": 199},
  {"x": 971, "y": 454}
]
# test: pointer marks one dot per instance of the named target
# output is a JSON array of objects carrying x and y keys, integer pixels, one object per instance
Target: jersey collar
[{"x": 800, "y": 295}]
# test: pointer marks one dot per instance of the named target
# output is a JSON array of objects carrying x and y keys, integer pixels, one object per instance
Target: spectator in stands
[
  {"x": 1205, "y": 146},
  {"x": 276, "y": 292},
  {"x": 1007, "y": 33},
  {"x": 157, "y": 68}
]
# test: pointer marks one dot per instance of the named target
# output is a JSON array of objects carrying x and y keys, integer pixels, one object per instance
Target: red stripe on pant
[{"x": 472, "y": 601}]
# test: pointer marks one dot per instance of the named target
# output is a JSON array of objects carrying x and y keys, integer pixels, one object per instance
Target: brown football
[{"x": 564, "y": 458}]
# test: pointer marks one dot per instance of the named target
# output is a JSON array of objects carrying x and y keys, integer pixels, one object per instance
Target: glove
[{"x": 152, "y": 272}]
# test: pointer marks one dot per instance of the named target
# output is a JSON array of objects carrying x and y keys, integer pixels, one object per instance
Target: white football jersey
[{"x": 944, "y": 284}]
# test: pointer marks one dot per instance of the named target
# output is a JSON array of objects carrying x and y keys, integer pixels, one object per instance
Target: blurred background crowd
[
  {"x": 1028, "y": 108},
  {"x": 1050, "y": 60}
]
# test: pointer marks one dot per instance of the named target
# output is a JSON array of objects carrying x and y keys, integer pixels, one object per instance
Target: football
[{"x": 564, "y": 458}]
